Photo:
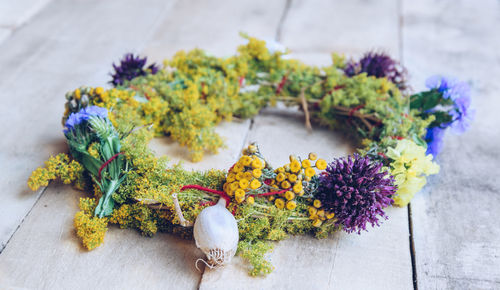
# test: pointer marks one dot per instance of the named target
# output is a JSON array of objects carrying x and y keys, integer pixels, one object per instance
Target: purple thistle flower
[
  {"x": 131, "y": 67},
  {"x": 83, "y": 115},
  {"x": 434, "y": 139},
  {"x": 357, "y": 191},
  {"x": 379, "y": 65}
]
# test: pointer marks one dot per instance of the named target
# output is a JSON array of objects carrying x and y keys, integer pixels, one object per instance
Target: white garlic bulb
[{"x": 216, "y": 234}]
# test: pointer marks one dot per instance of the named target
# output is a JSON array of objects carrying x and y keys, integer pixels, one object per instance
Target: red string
[
  {"x": 136, "y": 89},
  {"x": 351, "y": 112},
  {"x": 281, "y": 84},
  {"x": 382, "y": 154},
  {"x": 198, "y": 187},
  {"x": 240, "y": 82},
  {"x": 207, "y": 203},
  {"x": 107, "y": 163}
]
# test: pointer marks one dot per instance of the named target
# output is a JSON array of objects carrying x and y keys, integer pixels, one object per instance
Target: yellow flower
[
  {"x": 280, "y": 177},
  {"x": 292, "y": 178},
  {"x": 240, "y": 200},
  {"x": 231, "y": 177},
  {"x": 244, "y": 183},
  {"x": 301, "y": 193},
  {"x": 285, "y": 184},
  {"x": 250, "y": 200},
  {"x": 312, "y": 211},
  {"x": 280, "y": 170},
  {"x": 240, "y": 176},
  {"x": 306, "y": 163},
  {"x": 297, "y": 187},
  {"x": 295, "y": 166},
  {"x": 313, "y": 156},
  {"x": 309, "y": 172},
  {"x": 291, "y": 205},
  {"x": 239, "y": 193},
  {"x": 256, "y": 173},
  {"x": 289, "y": 195},
  {"x": 246, "y": 160},
  {"x": 279, "y": 203},
  {"x": 409, "y": 167},
  {"x": 99, "y": 90},
  {"x": 321, "y": 164},
  {"x": 317, "y": 223},
  {"x": 234, "y": 186},
  {"x": 255, "y": 184},
  {"x": 271, "y": 198},
  {"x": 252, "y": 148},
  {"x": 330, "y": 215},
  {"x": 317, "y": 203},
  {"x": 257, "y": 164},
  {"x": 238, "y": 167},
  {"x": 247, "y": 175}
]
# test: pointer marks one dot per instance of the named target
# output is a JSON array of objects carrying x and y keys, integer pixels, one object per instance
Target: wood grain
[{"x": 455, "y": 218}]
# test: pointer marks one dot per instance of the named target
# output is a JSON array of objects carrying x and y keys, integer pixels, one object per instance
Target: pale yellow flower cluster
[{"x": 409, "y": 167}]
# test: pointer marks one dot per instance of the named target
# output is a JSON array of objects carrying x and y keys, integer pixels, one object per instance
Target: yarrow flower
[
  {"x": 458, "y": 94},
  {"x": 409, "y": 167},
  {"x": 357, "y": 191},
  {"x": 83, "y": 115},
  {"x": 131, "y": 67},
  {"x": 379, "y": 65}
]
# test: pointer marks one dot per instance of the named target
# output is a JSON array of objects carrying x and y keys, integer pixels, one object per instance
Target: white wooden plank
[
  {"x": 455, "y": 226},
  {"x": 234, "y": 132},
  {"x": 4, "y": 34},
  {"x": 40, "y": 63},
  {"x": 215, "y": 26},
  {"x": 14, "y": 13},
  {"x": 46, "y": 254},
  {"x": 378, "y": 259},
  {"x": 351, "y": 27},
  {"x": 67, "y": 45}
]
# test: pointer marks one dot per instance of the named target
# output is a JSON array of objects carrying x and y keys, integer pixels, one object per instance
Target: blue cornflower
[
  {"x": 83, "y": 115},
  {"x": 95, "y": 111},
  {"x": 434, "y": 139},
  {"x": 459, "y": 93},
  {"x": 462, "y": 115}
]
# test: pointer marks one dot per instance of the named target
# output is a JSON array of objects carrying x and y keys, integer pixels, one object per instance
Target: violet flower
[
  {"x": 379, "y": 65},
  {"x": 357, "y": 191},
  {"x": 131, "y": 67}
]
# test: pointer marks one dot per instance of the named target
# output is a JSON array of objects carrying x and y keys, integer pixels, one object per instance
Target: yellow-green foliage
[
  {"x": 59, "y": 166},
  {"x": 89, "y": 228}
]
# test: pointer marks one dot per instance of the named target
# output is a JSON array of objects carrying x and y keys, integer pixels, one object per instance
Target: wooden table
[{"x": 447, "y": 238}]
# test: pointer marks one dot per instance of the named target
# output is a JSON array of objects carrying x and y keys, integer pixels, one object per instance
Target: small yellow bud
[
  {"x": 244, "y": 183},
  {"x": 306, "y": 163},
  {"x": 291, "y": 205},
  {"x": 257, "y": 173},
  {"x": 297, "y": 187},
  {"x": 321, "y": 164},
  {"x": 279, "y": 203},
  {"x": 250, "y": 200},
  {"x": 312, "y": 210},
  {"x": 313, "y": 156},
  {"x": 317, "y": 203},
  {"x": 317, "y": 223},
  {"x": 292, "y": 178},
  {"x": 255, "y": 184},
  {"x": 289, "y": 195}
]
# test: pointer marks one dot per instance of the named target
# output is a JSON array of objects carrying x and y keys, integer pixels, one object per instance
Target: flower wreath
[{"x": 108, "y": 131}]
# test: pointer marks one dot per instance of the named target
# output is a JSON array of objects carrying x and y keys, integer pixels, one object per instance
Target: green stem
[{"x": 106, "y": 203}]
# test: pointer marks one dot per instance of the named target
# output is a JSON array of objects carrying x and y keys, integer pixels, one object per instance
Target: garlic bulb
[{"x": 216, "y": 234}]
